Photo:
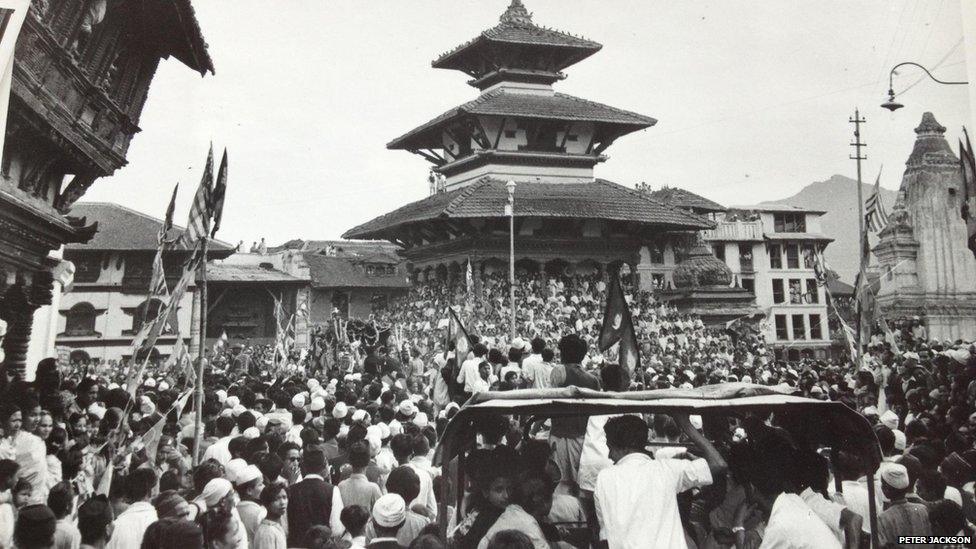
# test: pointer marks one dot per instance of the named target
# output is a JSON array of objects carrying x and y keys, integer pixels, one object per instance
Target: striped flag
[
  {"x": 220, "y": 189},
  {"x": 875, "y": 214},
  {"x": 198, "y": 223}
]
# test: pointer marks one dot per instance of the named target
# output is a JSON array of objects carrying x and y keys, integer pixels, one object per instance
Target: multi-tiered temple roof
[{"x": 519, "y": 129}]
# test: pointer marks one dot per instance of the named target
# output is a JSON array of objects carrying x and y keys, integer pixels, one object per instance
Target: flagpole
[
  {"x": 511, "y": 254},
  {"x": 201, "y": 358}
]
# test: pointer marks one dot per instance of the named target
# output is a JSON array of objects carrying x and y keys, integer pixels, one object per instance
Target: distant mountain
[{"x": 838, "y": 197}]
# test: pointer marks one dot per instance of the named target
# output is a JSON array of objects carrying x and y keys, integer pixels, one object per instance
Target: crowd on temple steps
[{"x": 325, "y": 453}]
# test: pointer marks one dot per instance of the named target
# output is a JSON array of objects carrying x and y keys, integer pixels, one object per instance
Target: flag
[
  {"x": 469, "y": 277},
  {"x": 618, "y": 326},
  {"x": 875, "y": 214},
  {"x": 12, "y": 15},
  {"x": 220, "y": 343},
  {"x": 462, "y": 341},
  {"x": 302, "y": 311},
  {"x": 220, "y": 189},
  {"x": 198, "y": 223},
  {"x": 820, "y": 269},
  {"x": 967, "y": 165},
  {"x": 150, "y": 440},
  {"x": 168, "y": 219}
]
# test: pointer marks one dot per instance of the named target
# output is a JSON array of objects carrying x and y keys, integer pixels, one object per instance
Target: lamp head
[
  {"x": 511, "y": 187},
  {"x": 891, "y": 104}
]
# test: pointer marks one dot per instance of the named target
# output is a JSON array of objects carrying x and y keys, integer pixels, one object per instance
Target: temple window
[
  {"x": 87, "y": 268},
  {"x": 80, "y": 320}
]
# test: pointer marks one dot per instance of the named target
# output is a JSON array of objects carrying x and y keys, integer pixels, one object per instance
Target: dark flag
[
  {"x": 462, "y": 341},
  {"x": 168, "y": 219},
  {"x": 198, "y": 223},
  {"x": 967, "y": 165},
  {"x": 220, "y": 189},
  {"x": 618, "y": 326}
]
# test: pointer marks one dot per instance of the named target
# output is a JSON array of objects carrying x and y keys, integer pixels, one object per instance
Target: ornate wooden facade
[{"x": 81, "y": 77}]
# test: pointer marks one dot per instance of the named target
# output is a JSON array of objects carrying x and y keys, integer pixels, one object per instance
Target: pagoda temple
[
  {"x": 926, "y": 269},
  {"x": 520, "y": 130}
]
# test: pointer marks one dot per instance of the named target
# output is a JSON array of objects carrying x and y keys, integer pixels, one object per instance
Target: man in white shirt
[
  {"x": 130, "y": 526},
  {"x": 636, "y": 498},
  {"x": 470, "y": 374},
  {"x": 792, "y": 523},
  {"x": 533, "y": 366}
]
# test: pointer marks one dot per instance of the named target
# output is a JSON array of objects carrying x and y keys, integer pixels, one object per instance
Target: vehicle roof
[{"x": 835, "y": 425}]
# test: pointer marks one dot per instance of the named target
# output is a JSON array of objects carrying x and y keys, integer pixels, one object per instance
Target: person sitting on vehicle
[
  {"x": 531, "y": 503},
  {"x": 791, "y": 523}
]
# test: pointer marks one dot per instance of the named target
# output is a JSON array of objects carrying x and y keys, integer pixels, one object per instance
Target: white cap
[
  {"x": 390, "y": 511},
  {"x": 163, "y": 385},
  {"x": 250, "y": 472},
  {"x": 238, "y": 410},
  {"x": 251, "y": 432},
  {"x": 384, "y": 430},
  {"x": 340, "y": 410},
  {"x": 420, "y": 420},
  {"x": 312, "y": 384},
  {"x": 407, "y": 408},
  {"x": 150, "y": 382},
  {"x": 889, "y": 419},
  {"x": 298, "y": 401},
  {"x": 318, "y": 403},
  {"x": 894, "y": 475},
  {"x": 221, "y": 395},
  {"x": 232, "y": 401},
  {"x": 359, "y": 415},
  {"x": 234, "y": 468}
]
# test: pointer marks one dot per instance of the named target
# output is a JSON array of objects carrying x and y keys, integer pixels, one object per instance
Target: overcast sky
[{"x": 752, "y": 99}]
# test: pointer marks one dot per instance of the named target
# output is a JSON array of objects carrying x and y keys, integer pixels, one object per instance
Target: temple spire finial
[{"x": 516, "y": 13}]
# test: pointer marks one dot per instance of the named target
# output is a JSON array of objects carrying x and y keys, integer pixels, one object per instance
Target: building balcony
[{"x": 735, "y": 231}]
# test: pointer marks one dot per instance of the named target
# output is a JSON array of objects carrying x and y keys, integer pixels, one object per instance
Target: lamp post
[
  {"x": 510, "y": 211},
  {"x": 893, "y": 105}
]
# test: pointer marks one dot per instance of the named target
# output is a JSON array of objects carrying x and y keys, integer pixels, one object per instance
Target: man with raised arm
[{"x": 636, "y": 498}]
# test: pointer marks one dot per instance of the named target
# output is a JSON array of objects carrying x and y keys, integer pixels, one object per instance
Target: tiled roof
[
  {"x": 121, "y": 228},
  {"x": 344, "y": 248},
  {"x": 685, "y": 199},
  {"x": 342, "y": 272},
  {"x": 600, "y": 199},
  {"x": 500, "y": 102},
  {"x": 219, "y": 272},
  {"x": 522, "y": 33}
]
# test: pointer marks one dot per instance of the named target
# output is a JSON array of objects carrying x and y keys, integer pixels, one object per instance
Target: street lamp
[
  {"x": 893, "y": 105},
  {"x": 510, "y": 211}
]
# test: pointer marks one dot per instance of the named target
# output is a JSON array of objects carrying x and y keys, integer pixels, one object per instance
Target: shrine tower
[{"x": 926, "y": 268}]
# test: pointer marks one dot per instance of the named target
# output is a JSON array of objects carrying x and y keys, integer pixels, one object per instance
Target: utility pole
[
  {"x": 863, "y": 283},
  {"x": 858, "y": 145}
]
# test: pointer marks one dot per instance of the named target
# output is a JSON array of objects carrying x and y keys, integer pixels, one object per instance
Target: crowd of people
[{"x": 345, "y": 456}]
